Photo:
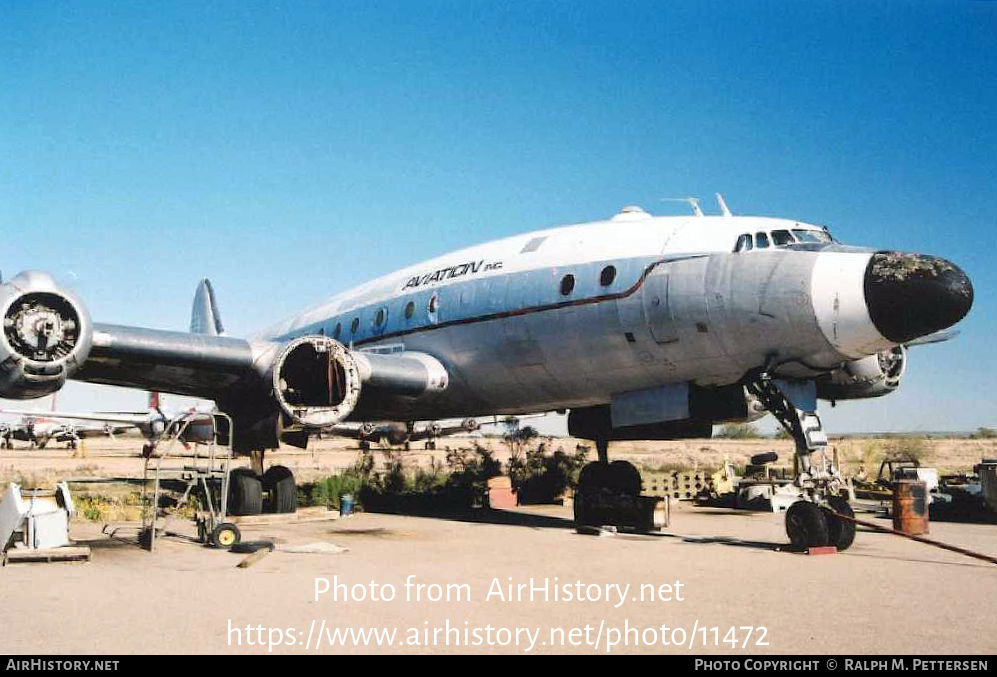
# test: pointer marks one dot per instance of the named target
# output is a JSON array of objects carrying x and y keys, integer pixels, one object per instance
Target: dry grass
[{"x": 119, "y": 458}]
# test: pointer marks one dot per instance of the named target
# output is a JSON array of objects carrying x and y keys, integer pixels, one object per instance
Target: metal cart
[{"x": 194, "y": 461}]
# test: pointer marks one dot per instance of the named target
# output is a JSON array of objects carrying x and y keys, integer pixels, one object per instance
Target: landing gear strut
[{"x": 813, "y": 521}]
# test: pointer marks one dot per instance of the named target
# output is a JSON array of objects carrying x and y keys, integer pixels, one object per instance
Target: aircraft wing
[
  {"x": 103, "y": 431},
  {"x": 272, "y": 389},
  {"x": 88, "y": 432},
  {"x": 348, "y": 430},
  {"x": 445, "y": 429},
  {"x": 127, "y": 420},
  {"x": 175, "y": 362},
  {"x": 211, "y": 367}
]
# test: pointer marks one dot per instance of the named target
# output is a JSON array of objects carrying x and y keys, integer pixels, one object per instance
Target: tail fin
[{"x": 204, "y": 317}]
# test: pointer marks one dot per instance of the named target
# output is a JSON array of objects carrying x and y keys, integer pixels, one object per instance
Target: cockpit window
[
  {"x": 818, "y": 236},
  {"x": 744, "y": 243},
  {"x": 781, "y": 238},
  {"x": 762, "y": 240}
]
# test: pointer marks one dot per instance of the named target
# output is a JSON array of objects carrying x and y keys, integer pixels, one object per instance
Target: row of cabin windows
[
  {"x": 606, "y": 278},
  {"x": 780, "y": 238}
]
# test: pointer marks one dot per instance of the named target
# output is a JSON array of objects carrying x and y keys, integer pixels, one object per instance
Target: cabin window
[
  {"x": 434, "y": 304},
  {"x": 607, "y": 276},
  {"x": 762, "y": 240},
  {"x": 567, "y": 284},
  {"x": 379, "y": 318},
  {"x": 781, "y": 238},
  {"x": 338, "y": 330},
  {"x": 409, "y": 310},
  {"x": 744, "y": 243},
  {"x": 354, "y": 325}
]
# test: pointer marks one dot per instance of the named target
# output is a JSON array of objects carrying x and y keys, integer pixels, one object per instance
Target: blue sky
[{"x": 292, "y": 149}]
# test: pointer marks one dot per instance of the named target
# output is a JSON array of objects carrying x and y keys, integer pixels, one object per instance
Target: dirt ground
[{"x": 884, "y": 595}]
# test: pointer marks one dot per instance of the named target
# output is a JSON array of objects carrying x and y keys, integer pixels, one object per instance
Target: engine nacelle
[
  {"x": 872, "y": 376},
  {"x": 316, "y": 381},
  {"x": 47, "y": 335}
]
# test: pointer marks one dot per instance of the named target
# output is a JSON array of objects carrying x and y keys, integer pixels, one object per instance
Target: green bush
[
  {"x": 542, "y": 477},
  {"x": 739, "y": 431},
  {"x": 326, "y": 492}
]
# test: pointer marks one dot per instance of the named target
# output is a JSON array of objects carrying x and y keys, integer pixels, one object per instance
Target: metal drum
[{"x": 910, "y": 507}]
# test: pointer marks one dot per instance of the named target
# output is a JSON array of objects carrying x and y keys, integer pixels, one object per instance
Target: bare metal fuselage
[{"x": 680, "y": 307}]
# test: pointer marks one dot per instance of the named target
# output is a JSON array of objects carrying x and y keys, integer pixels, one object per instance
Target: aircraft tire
[
  {"x": 841, "y": 533},
  {"x": 278, "y": 482},
  {"x": 245, "y": 493},
  {"x": 765, "y": 457},
  {"x": 806, "y": 526},
  {"x": 624, "y": 478},
  {"x": 593, "y": 477}
]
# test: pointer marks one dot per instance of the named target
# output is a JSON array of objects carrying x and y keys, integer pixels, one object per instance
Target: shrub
[
  {"x": 542, "y": 477},
  {"x": 739, "y": 431},
  {"x": 919, "y": 448}
]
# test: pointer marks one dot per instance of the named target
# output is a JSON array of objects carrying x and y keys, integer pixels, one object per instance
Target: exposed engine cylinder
[
  {"x": 872, "y": 376},
  {"x": 47, "y": 335},
  {"x": 316, "y": 381}
]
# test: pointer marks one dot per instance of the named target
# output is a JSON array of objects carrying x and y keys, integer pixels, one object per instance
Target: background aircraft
[
  {"x": 153, "y": 424},
  {"x": 39, "y": 428},
  {"x": 396, "y": 433}
]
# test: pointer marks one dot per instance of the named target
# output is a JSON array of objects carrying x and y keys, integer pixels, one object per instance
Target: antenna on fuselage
[
  {"x": 723, "y": 205},
  {"x": 691, "y": 201}
]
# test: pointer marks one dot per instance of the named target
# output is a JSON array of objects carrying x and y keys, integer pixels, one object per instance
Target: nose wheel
[{"x": 820, "y": 517}]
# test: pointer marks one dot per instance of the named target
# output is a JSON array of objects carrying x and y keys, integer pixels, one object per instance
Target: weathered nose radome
[
  {"x": 866, "y": 303},
  {"x": 911, "y": 295}
]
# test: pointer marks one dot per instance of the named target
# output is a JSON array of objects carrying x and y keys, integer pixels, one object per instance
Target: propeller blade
[{"x": 937, "y": 337}]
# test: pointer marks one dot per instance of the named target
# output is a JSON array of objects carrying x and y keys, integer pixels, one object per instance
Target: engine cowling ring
[
  {"x": 316, "y": 381},
  {"x": 871, "y": 376},
  {"x": 46, "y": 335}
]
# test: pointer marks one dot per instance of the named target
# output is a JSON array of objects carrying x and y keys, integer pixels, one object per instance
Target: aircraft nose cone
[{"x": 912, "y": 295}]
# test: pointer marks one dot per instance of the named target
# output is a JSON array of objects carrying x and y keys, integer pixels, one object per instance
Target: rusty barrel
[{"x": 910, "y": 507}]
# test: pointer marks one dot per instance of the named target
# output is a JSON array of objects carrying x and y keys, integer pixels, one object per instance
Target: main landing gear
[
  {"x": 814, "y": 520},
  {"x": 254, "y": 492},
  {"x": 610, "y": 494}
]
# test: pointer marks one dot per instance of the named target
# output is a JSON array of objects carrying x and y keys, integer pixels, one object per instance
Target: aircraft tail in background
[{"x": 204, "y": 316}]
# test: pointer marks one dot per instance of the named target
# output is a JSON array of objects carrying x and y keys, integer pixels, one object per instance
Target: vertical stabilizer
[{"x": 204, "y": 317}]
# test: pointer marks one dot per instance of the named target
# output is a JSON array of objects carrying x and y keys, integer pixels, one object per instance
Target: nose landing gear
[{"x": 815, "y": 520}]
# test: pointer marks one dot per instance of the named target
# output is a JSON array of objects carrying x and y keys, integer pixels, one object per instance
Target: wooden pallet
[
  {"x": 63, "y": 554},
  {"x": 316, "y": 514}
]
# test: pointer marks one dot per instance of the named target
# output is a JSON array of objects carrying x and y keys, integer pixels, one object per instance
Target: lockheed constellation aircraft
[{"x": 642, "y": 327}]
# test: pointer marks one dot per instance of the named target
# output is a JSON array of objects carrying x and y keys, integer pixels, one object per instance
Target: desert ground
[{"x": 884, "y": 595}]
